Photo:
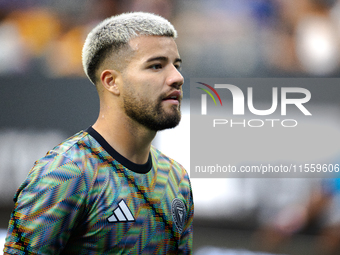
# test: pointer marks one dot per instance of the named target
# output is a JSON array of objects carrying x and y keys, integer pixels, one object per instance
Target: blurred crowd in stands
[{"x": 225, "y": 38}]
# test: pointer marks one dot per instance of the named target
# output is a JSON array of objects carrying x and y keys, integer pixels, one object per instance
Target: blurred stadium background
[{"x": 45, "y": 97}]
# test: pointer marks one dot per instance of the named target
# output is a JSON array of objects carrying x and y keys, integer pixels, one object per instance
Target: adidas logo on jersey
[{"x": 121, "y": 214}]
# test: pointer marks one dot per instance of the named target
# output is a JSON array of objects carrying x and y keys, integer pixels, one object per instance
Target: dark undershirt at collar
[{"x": 138, "y": 168}]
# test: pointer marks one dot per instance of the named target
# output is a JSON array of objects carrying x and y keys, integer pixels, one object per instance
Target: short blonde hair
[{"x": 114, "y": 33}]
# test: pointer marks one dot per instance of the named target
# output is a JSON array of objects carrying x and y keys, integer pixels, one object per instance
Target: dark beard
[{"x": 156, "y": 118}]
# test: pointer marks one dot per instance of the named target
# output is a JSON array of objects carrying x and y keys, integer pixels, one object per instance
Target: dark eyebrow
[{"x": 163, "y": 59}]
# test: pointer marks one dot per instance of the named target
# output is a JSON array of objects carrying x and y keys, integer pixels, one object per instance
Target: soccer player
[{"x": 107, "y": 190}]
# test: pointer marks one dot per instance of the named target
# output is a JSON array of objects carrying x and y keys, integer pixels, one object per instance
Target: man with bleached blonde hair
[{"x": 107, "y": 190}]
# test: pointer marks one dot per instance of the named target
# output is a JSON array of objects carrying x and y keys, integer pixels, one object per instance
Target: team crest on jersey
[{"x": 178, "y": 211}]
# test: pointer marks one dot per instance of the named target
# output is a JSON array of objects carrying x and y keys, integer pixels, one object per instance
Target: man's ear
[{"x": 110, "y": 80}]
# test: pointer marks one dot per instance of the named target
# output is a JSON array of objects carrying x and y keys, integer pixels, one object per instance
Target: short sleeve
[{"x": 48, "y": 205}]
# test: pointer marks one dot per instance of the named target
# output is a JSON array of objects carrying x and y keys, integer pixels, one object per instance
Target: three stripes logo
[
  {"x": 204, "y": 97},
  {"x": 121, "y": 214}
]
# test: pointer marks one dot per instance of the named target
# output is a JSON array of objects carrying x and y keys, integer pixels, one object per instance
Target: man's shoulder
[
  {"x": 77, "y": 146},
  {"x": 71, "y": 144},
  {"x": 164, "y": 161},
  {"x": 71, "y": 153},
  {"x": 63, "y": 166}
]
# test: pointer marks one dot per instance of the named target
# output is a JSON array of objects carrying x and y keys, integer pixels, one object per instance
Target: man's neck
[{"x": 128, "y": 138}]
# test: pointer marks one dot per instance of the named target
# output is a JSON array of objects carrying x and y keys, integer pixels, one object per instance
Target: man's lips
[{"x": 175, "y": 95}]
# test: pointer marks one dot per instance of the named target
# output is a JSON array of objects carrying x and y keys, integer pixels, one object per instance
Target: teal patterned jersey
[{"x": 83, "y": 197}]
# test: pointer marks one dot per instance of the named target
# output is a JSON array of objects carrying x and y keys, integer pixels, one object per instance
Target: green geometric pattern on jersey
[{"x": 64, "y": 205}]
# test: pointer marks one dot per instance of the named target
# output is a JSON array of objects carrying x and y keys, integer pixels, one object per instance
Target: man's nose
[{"x": 175, "y": 78}]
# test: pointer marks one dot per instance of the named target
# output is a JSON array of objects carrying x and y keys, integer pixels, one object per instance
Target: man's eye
[
  {"x": 178, "y": 67},
  {"x": 156, "y": 66}
]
